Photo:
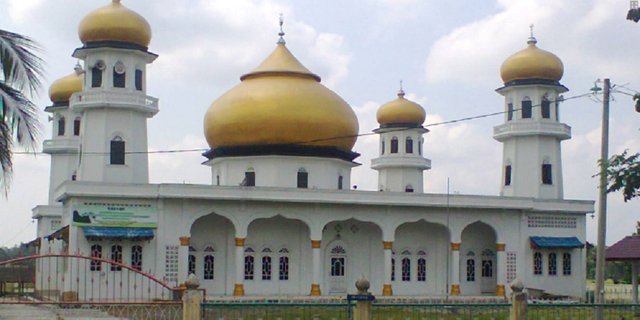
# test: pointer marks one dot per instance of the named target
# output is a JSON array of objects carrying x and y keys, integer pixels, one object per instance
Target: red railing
[{"x": 74, "y": 278}]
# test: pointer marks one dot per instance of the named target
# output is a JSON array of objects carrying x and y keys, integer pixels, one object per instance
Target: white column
[
  {"x": 183, "y": 260},
  {"x": 500, "y": 269},
  {"x": 387, "y": 289},
  {"x": 238, "y": 289},
  {"x": 315, "y": 284},
  {"x": 455, "y": 270}
]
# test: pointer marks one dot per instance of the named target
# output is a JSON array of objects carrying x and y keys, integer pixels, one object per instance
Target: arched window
[
  {"x": 382, "y": 147},
  {"x": 487, "y": 263},
  {"x": 96, "y": 252},
  {"x": 545, "y": 108},
  {"x": 116, "y": 256},
  {"x": 408, "y": 188},
  {"x": 119, "y": 74},
  {"x": 546, "y": 173},
  {"x": 557, "y": 110},
  {"x": 393, "y": 269},
  {"x": 471, "y": 270},
  {"x": 138, "y": 80},
  {"x": 422, "y": 266},
  {"x": 552, "y": 264},
  {"x": 136, "y": 257},
  {"x": 408, "y": 146},
  {"x": 249, "y": 262},
  {"x": 537, "y": 263},
  {"x": 526, "y": 108},
  {"x": 406, "y": 266},
  {"x": 283, "y": 267},
  {"x": 250, "y": 178},
  {"x": 566, "y": 264},
  {"x": 420, "y": 147},
  {"x": 61, "y": 124},
  {"x": 303, "y": 178},
  {"x": 192, "y": 260},
  {"x": 266, "y": 264},
  {"x": 507, "y": 175},
  {"x": 208, "y": 267},
  {"x": 340, "y": 182},
  {"x": 509, "y": 111},
  {"x": 394, "y": 145},
  {"x": 117, "y": 151},
  {"x": 96, "y": 74},
  {"x": 338, "y": 260},
  {"x": 76, "y": 127}
]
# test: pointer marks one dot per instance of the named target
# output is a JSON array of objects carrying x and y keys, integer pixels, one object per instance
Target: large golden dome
[
  {"x": 280, "y": 103},
  {"x": 61, "y": 90},
  {"x": 532, "y": 63},
  {"x": 115, "y": 22},
  {"x": 401, "y": 112}
]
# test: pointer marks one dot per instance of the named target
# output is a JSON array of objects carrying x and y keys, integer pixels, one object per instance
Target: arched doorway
[
  {"x": 478, "y": 272},
  {"x": 211, "y": 250}
]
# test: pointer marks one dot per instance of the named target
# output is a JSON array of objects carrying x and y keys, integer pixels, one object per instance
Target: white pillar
[
  {"x": 387, "y": 289},
  {"x": 238, "y": 289},
  {"x": 316, "y": 264},
  {"x": 183, "y": 260},
  {"x": 455, "y": 270},
  {"x": 634, "y": 281},
  {"x": 500, "y": 269}
]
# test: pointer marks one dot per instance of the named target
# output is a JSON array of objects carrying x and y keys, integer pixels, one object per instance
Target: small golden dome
[
  {"x": 532, "y": 63},
  {"x": 115, "y": 22},
  {"x": 62, "y": 89},
  {"x": 280, "y": 102},
  {"x": 401, "y": 111}
]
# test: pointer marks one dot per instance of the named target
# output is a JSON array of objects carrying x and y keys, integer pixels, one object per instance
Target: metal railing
[
  {"x": 571, "y": 311},
  {"x": 452, "y": 311},
  {"x": 274, "y": 311}
]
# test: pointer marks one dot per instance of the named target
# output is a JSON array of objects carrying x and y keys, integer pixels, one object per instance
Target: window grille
[
  {"x": 406, "y": 269},
  {"x": 566, "y": 264},
  {"x": 471, "y": 270},
  {"x": 537, "y": 263},
  {"x": 553, "y": 265},
  {"x": 548, "y": 221},
  {"x": 96, "y": 252},
  {"x": 208, "y": 267},
  {"x": 136, "y": 257},
  {"x": 422, "y": 269},
  {"x": 116, "y": 256}
]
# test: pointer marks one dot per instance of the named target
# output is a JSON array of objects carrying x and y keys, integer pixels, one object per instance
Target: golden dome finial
[
  {"x": 532, "y": 39},
  {"x": 400, "y": 112},
  {"x": 400, "y": 92},
  {"x": 281, "y": 33}
]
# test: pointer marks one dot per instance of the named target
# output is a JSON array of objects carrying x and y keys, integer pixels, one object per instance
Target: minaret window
[
  {"x": 138, "y": 80},
  {"x": 408, "y": 188},
  {"x": 526, "y": 108},
  {"x": 394, "y": 145},
  {"x": 546, "y": 174},
  {"x": 61, "y": 124},
  {"x": 507, "y": 175},
  {"x": 117, "y": 151},
  {"x": 420, "y": 147},
  {"x": 303, "y": 178},
  {"x": 545, "y": 108},
  {"x": 409, "y": 145},
  {"x": 119, "y": 75},
  {"x": 509, "y": 111},
  {"x": 340, "y": 182},
  {"x": 382, "y": 147},
  {"x": 557, "y": 111},
  {"x": 96, "y": 75},
  {"x": 76, "y": 127},
  {"x": 249, "y": 178}
]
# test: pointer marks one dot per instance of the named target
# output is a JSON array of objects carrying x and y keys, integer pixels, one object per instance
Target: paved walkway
[{"x": 49, "y": 312}]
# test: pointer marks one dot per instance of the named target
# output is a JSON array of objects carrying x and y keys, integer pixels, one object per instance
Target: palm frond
[
  {"x": 6, "y": 165},
  {"x": 21, "y": 66},
  {"x": 20, "y": 116}
]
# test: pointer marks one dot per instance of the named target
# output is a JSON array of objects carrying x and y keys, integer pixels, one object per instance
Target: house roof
[
  {"x": 625, "y": 249},
  {"x": 555, "y": 242}
]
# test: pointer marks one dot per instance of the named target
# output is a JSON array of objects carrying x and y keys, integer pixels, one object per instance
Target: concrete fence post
[
  {"x": 191, "y": 299},
  {"x": 518, "y": 301},
  {"x": 362, "y": 310}
]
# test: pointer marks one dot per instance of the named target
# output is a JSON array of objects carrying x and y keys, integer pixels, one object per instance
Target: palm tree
[{"x": 22, "y": 71}]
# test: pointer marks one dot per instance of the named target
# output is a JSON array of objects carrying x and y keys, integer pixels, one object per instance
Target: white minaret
[
  {"x": 114, "y": 104},
  {"x": 65, "y": 137},
  {"x": 532, "y": 131},
  {"x": 401, "y": 162}
]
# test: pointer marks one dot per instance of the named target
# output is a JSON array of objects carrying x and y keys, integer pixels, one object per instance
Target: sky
[{"x": 447, "y": 54}]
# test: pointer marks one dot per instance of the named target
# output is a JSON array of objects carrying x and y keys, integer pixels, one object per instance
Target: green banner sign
[{"x": 115, "y": 214}]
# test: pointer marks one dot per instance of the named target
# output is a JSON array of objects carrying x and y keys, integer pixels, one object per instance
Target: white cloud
[{"x": 19, "y": 10}]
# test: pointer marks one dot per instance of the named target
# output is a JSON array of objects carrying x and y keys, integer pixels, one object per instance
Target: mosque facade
[{"x": 279, "y": 217}]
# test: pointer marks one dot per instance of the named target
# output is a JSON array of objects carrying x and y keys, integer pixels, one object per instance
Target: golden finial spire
[
  {"x": 532, "y": 39},
  {"x": 281, "y": 33},
  {"x": 400, "y": 92}
]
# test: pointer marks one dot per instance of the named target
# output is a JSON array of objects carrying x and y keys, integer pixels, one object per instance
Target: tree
[
  {"x": 22, "y": 71},
  {"x": 623, "y": 173}
]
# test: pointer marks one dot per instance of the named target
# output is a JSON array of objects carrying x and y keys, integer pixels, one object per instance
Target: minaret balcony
[
  {"x": 57, "y": 145},
  {"x": 113, "y": 99},
  {"x": 531, "y": 128},
  {"x": 401, "y": 161}
]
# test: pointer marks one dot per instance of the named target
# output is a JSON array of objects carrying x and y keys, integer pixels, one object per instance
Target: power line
[{"x": 434, "y": 124}]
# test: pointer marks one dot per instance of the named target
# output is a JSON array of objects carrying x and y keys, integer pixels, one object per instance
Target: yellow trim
[
  {"x": 184, "y": 241},
  {"x": 315, "y": 290},
  {"x": 238, "y": 290},
  {"x": 500, "y": 246},
  {"x": 387, "y": 245},
  {"x": 455, "y": 290},
  {"x": 500, "y": 290},
  {"x": 387, "y": 290},
  {"x": 455, "y": 246},
  {"x": 315, "y": 244}
]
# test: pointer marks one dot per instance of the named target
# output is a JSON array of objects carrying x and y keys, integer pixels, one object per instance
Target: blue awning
[
  {"x": 96, "y": 233},
  {"x": 555, "y": 242}
]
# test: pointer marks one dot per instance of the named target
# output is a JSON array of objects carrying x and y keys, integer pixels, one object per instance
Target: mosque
[{"x": 279, "y": 217}]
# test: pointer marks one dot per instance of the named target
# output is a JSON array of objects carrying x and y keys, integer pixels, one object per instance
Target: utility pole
[{"x": 602, "y": 200}]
